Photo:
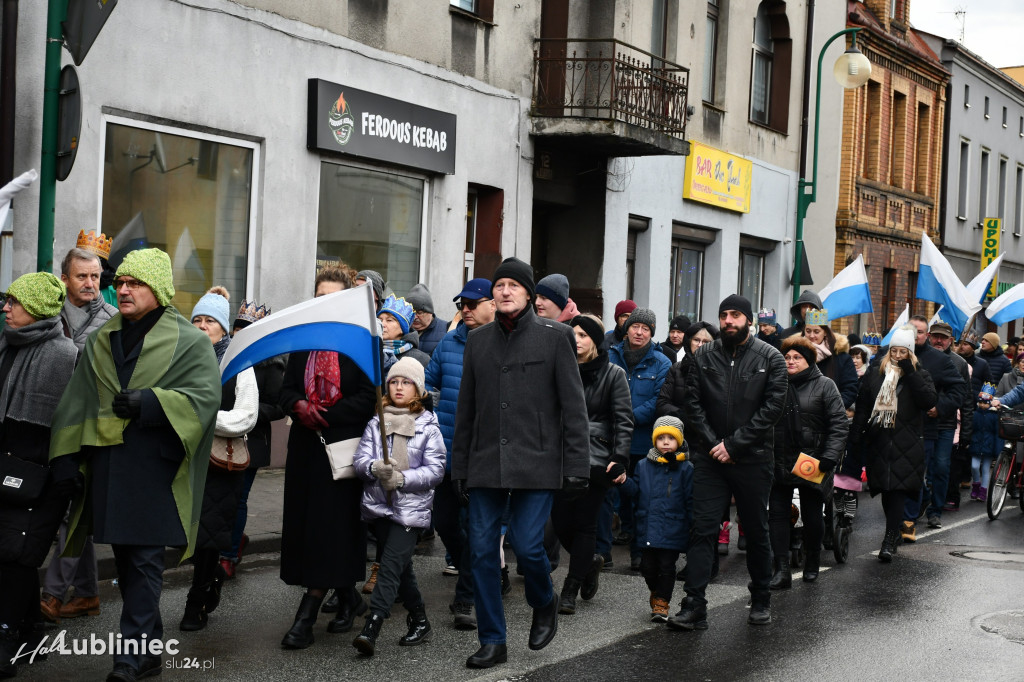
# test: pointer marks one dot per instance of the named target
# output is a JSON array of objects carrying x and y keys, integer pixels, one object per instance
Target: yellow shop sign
[{"x": 717, "y": 178}]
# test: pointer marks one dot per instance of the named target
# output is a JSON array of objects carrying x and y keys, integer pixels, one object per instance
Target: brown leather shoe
[
  {"x": 50, "y": 606},
  {"x": 81, "y": 606}
]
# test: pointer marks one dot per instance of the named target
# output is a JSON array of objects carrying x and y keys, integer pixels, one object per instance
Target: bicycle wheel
[{"x": 999, "y": 484}]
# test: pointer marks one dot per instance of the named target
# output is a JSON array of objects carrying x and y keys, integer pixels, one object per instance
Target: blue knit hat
[
  {"x": 214, "y": 304},
  {"x": 399, "y": 309}
]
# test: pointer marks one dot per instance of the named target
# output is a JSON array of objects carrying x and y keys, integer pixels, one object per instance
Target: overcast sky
[{"x": 992, "y": 28}]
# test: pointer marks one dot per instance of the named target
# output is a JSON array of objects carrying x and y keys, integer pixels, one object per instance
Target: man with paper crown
[{"x": 136, "y": 422}]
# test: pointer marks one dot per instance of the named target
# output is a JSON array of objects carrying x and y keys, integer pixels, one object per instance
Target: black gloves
[
  {"x": 906, "y": 365},
  {"x": 616, "y": 471},
  {"x": 461, "y": 491},
  {"x": 826, "y": 465},
  {"x": 575, "y": 487},
  {"x": 128, "y": 404}
]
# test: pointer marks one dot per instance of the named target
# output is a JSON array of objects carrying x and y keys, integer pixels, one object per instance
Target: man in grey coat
[
  {"x": 521, "y": 433},
  {"x": 84, "y": 311}
]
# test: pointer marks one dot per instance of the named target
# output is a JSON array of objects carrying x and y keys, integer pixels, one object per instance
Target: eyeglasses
[
  {"x": 132, "y": 284},
  {"x": 10, "y": 301},
  {"x": 469, "y": 304},
  {"x": 398, "y": 381}
]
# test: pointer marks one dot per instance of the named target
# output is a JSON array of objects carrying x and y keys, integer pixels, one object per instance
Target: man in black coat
[
  {"x": 736, "y": 392},
  {"x": 521, "y": 433},
  {"x": 939, "y": 427}
]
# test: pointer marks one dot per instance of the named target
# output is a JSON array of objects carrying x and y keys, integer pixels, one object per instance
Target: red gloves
[{"x": 309, "y": 415}]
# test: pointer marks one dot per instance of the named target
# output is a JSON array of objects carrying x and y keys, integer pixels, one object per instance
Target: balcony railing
[{"x": 610, "y": 80}]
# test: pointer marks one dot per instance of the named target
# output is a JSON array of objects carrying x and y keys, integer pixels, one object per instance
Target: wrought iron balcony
[{"x": 616, "y": 96}]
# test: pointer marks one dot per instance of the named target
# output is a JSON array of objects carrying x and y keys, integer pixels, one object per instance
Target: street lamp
[{"x": 851, "y": 70}]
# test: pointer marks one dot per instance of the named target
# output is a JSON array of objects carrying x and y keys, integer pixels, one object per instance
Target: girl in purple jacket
[{"x": 397, "y": 498}]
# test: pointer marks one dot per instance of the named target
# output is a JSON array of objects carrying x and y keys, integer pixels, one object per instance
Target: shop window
[
  {"x": 751, "y": 285},
  {"x": 189, "y": 194},
  {"x": 771, "y": 66},
  {"x": 687, "y": 278},
  {"x": 371, "y": 220},
  {"x": 710, "y": 52},
  {"x": 983, "y": 191},
  {"x": 961, "y": 200}
]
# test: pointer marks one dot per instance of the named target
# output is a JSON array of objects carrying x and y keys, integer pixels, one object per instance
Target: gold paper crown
[
  {"x": 252, "y": 312},
  {"x": 92, "y": 243},
  {"x": 989, "y": 388},
  {"x": 872, "y": 339},
  {"x": 816, "y": 317}
]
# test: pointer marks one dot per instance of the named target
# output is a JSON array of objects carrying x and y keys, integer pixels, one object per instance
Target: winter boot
[
  {"x": 195, "y": 617},
  {"x": 692, "y": 616},
  {"x": 331, "y": 603},
  {"x": 975, "y": 487},
  {"x": 889, "y": 543},
  {"x": 300, "y": 635},
  {"x": 8, "y": 650},
  {"x": 659, "y": 609},
  {"x": 213, "y": 594},
  {"x": 909, "y": 531},
  {"x": 812, "y": 564},
  {"x": 723, "y": 539},
  {"x": 760, "y": 611},
  {"x": 350, "y": 605},
  {"x": 590, "y": 581},
  {"x": 741, "y": 539},
  {"x": 982, "y": 494},
  {"x": 366, "y": 641},
  {"x": 371, "y": 582},
  {"x": 782, "y": 579},
  {"x": 567, "y": 601},
  {"x": 419, "y": 627}
]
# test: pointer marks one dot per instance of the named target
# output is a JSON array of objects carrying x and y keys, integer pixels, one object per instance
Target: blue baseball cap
[{"x": 475, "y": 290}]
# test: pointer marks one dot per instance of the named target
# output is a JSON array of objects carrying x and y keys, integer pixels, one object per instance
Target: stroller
[{"x": 840, "y": 510}]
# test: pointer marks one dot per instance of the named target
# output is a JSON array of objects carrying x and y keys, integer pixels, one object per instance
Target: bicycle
[{"x": 1006, "y": 473}]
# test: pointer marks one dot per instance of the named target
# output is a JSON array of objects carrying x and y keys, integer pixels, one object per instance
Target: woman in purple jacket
[{"x": 397, "y": 498}]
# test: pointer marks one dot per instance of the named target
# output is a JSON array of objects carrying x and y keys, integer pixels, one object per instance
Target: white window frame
[{"x": 255, "y": 190}]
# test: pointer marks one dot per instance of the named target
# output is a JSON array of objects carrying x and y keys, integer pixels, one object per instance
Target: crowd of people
[{"x": 523, "y": 421}]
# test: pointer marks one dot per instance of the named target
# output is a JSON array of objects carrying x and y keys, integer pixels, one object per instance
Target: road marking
[{"x": 934, "y": 531}]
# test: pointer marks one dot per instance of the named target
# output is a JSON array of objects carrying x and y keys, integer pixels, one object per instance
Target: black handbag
[{"x": 21, "y": 482}]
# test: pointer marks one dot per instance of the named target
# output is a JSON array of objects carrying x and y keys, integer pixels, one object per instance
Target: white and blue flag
[
  {"x": 938, "y": 283},
  {"x": 902, "y": 320},
  {"x": 848, "y": 294},
  {"x": 1008, "y": 306}
]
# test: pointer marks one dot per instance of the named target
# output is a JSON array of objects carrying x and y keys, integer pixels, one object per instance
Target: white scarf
[
  {"x": 822, "y": 350},
  {"x": 884, "y": 411}
]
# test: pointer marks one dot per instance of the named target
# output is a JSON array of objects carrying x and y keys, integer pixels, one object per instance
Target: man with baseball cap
[
  {"x": 444, "y": 373},
  {"x": 940, "y": 335},
  {"x": 521, "y": 433}
]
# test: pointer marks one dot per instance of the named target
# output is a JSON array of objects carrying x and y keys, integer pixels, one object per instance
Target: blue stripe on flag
[
  {"x": 352, "y": 341},
  {"x": 1012, "y": 311},
  {"x": 848, "y": 301},
  {"x": 929, "y": 288}
]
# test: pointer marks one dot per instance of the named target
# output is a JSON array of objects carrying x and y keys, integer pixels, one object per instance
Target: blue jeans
[
  {"x": 530, "y": 510},
  {"x": 936, "y": 456}
]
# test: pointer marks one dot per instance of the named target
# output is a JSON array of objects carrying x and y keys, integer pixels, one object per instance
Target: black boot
[
  {"x": 348, "y": 608},
  {"x": 213, "y": 594},
  {"x": 419, "y": 627},
  {"x": 782, "y": 579},
  {"x": 195, "y": 617},
  {"x": 812, "y": 563},
  {"x": 331, "y": 603},
  {"x": 692, "y": 616},
  {"x": 567, "y": 602},
  {"x": 892, "y": 536},
  {"x": 589, "y": 587},
  {"x": 545, "y": 625},
  {"x": 8, "y": 650},
  {"x": 506, "y": 583},
  {"x": 366, "y": 641},
  {"x": 760, "y": 610},
  {"x": 301, "y": 634}
]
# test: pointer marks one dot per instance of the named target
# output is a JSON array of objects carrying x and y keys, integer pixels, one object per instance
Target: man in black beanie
[
  {"x": 521, "y": 433},
  {"x": 736, "y": 391}
]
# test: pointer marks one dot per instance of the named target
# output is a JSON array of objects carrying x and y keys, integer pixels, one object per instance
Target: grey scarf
[
  {"x": 633, "y": 357},
  {"x": 39, "y": 373},
  {"x": 401, "y": 424},
  {"x": 82, "y": 321}
]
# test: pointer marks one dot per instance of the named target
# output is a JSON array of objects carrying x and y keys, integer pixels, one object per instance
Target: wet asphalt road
[{"x": 930, "y": 615}]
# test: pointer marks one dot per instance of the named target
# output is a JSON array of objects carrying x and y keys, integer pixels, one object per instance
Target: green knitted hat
[
  {"x": 152, "y": 267},
  {"x": 39, "y": 293}
]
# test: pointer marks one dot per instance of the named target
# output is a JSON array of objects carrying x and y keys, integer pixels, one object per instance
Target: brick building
[{"x": 889, "y": 179}]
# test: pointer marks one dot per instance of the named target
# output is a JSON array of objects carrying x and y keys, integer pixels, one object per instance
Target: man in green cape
[{"x": 138, "y": 418}]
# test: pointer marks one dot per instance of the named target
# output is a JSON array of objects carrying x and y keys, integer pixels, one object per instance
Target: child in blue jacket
[{"x": 662, "y": 484}]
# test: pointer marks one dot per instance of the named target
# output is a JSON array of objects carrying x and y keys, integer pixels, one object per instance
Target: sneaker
[
  {"x": 934, "y": 521},
  {"x": 951, "y": 506},
  {"x": 227, "y": 564},
  {"x": 659, "y": 610},
  {"x": 723, "y": 539},
  {"x": 464, "y": 618},
  {"x": 450, "y": 569},
  {"x": 909, "y": 531}
]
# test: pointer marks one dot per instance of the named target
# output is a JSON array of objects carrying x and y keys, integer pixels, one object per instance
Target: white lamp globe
[{"x": 852, "y": 69}]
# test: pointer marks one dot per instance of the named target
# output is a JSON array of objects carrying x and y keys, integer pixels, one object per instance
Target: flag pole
[{"x": 380, "y": 412}]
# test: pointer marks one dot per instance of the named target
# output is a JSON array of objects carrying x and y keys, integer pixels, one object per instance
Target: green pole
[
  {"x": 804, "y": 198},
  {"x": 56, "y": 13}
]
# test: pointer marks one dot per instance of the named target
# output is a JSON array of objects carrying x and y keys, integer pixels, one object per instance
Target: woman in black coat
[
  {"x": 670, "y": 399},
  {"x": 323, "y": 540},
  {"x": 834, "y": 359},
  {"x": 610, "y": 412},
  {"x": 889, "y": 425},
  {"x": 36, "y": 363},
  {"x": 814, "y": 423}
]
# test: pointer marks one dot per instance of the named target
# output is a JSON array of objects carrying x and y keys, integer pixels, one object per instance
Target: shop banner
[
  {"x": 717, "y": 178},
  {"x": 344, "y": 120},
  {"x": 990, "y": 249}
]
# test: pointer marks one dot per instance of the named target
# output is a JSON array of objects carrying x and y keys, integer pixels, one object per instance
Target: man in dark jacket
[
  {"x": 430, "y": 327},
  {"x": 941, "y": 337},
  {"x": 991, "y": 351},
  {"x": 808, "y": 300},
  {"x": 737, "y": 392},
  {"x": 444, "y": 374},
  {"x": 521, "y": 432},
  {"x": 939, "y": 427}
]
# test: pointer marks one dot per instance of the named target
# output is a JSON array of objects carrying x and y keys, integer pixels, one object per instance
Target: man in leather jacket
[{"x": 736, "y": 392}]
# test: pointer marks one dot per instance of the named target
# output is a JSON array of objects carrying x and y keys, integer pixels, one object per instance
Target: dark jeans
[
  {"x": 530, "y": 510},
  {"x": 812, "y": 506},
  {"x": 937, "y": 457},
  {"x": 243, "y": 513},
  {"x": 659, "y": 570},
  {"x": 395, "y": 577},
  {"x": 605, "y": 514},
  {"x": 575, "y": 523},
  {"x": 713, "y": 484},
  {"x": 140, "y": 574},
  {"x": 451, "y": 525},
  {"x": 959, "y": 471}
]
